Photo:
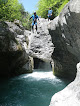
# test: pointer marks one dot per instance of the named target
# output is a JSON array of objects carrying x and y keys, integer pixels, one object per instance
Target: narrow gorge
[{"x": 55, "y": 48}]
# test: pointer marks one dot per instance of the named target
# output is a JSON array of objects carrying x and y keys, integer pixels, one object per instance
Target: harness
[{"x": 35, "y": 19}]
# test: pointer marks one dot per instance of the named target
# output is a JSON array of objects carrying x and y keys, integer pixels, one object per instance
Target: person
[
  {"x": 34, "y": 20},
  {"x": 49, "y": 13}
]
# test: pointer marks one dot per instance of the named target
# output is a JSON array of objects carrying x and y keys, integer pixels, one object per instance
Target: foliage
[
  {"x": 63, "y": 4},
  {"x": 56, "y": 5},
  {"x": 11, "y": 10},
  {"x": 25, "y": 22}
]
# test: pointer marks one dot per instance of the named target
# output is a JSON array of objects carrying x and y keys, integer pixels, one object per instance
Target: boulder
[
  {"x": 13, "y": 45},
  {"x": 70, "y": 96},
  {"x": 65, "y": 33}
]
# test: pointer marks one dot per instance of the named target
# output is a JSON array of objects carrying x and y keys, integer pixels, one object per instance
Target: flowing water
[{"x": 35, "y": 89}]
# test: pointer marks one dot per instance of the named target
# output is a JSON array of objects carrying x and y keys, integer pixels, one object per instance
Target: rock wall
[
  {"x": 13, "y": 45},
  {"x": 19, "y": 46},
  {"x": 70, "y": 96},
  {"x": 65, "y": 32}
]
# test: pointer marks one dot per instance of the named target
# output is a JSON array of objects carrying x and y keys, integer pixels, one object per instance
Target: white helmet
[{"x": 34, "y": 12}]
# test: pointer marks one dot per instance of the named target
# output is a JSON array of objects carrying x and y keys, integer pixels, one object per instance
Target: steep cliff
[{"x": 65, "y": 31}]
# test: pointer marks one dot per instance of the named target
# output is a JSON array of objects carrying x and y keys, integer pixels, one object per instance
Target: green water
[{"x": 35, "y": 89}]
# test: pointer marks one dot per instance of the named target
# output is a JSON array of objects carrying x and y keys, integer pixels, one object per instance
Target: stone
[
  {"x": 65, "y": 33},
  {"x": 70, "y": 96},
  {"x": 41, "y": 45},
  {"x": 13, "y": 45}
]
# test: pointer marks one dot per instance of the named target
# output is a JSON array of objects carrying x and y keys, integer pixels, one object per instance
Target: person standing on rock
[
  {"x": 34, "y": 21},
  {"x": 49, "y": 13}
]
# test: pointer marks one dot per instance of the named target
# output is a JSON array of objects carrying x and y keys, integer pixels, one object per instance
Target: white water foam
[{"x": 42, "y": 76}]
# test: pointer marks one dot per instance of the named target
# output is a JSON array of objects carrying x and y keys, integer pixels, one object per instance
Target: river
[{"x": 34, "y": 89}]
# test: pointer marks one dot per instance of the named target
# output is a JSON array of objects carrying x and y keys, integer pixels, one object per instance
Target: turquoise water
[{"x": 35, "y": 89}]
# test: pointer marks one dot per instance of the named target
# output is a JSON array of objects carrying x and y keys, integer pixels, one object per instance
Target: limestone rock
[
  {"x": 65, "y": 32},
  {"x": 13, "y": 45},
  {"x": 70, "y": 96},
  {"x": 41, "y": 45}
]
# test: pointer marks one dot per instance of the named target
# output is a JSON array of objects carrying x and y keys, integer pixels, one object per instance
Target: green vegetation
[
  {"x": 25, "y": 22},
  {"x": 57, "y": 6},
  {"x": 11, "y": 10}
]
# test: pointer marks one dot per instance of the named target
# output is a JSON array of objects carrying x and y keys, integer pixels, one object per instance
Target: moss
[
  {"x": 62, "y": 74},
  {"x": 27, "y": 41},
  {"x": 57, "y": 69},
  {"x": 31, "y": 63},
  {"x": 16, "y": 41},
  {"x": 19, "y": 47}
]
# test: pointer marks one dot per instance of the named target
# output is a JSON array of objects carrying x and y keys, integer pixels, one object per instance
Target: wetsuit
[
  {"x": 34, "y": 20},
  {"x": 49, "y": 14}
]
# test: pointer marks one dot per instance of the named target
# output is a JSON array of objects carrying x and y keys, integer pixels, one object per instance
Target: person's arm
[
  {"x": 37, "y": 17},
  {"x": 30, "y": 17}
]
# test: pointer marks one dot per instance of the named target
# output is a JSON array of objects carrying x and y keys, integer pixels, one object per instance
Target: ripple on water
[{"x": 34, "y": 89}]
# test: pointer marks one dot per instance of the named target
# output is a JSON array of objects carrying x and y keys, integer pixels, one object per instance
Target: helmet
[
  {"x": 50, "y": 8},
  {"x": 34, "y": 12}
]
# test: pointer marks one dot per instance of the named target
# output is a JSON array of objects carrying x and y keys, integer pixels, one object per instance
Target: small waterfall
[
  {"x": 42, "y": 71},
  {"x": 39, "y": 64},
  {"x": 31, "y": 89}
]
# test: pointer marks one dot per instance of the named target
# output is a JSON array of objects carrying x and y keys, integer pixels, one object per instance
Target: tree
[
  {"x": 43, "y": 6},
  {"x": 25, "y": 22},
  {"x": 10, "y": 9}
]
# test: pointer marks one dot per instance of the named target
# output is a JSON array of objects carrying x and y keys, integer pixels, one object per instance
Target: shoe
[{"x": 32, "y": 31}]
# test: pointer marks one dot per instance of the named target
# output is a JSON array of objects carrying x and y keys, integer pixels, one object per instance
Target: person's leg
[
  {"x": 48, "y": 18},
  {"x": 36, "y": 25},
  {"x": 33, "y": 27}
]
